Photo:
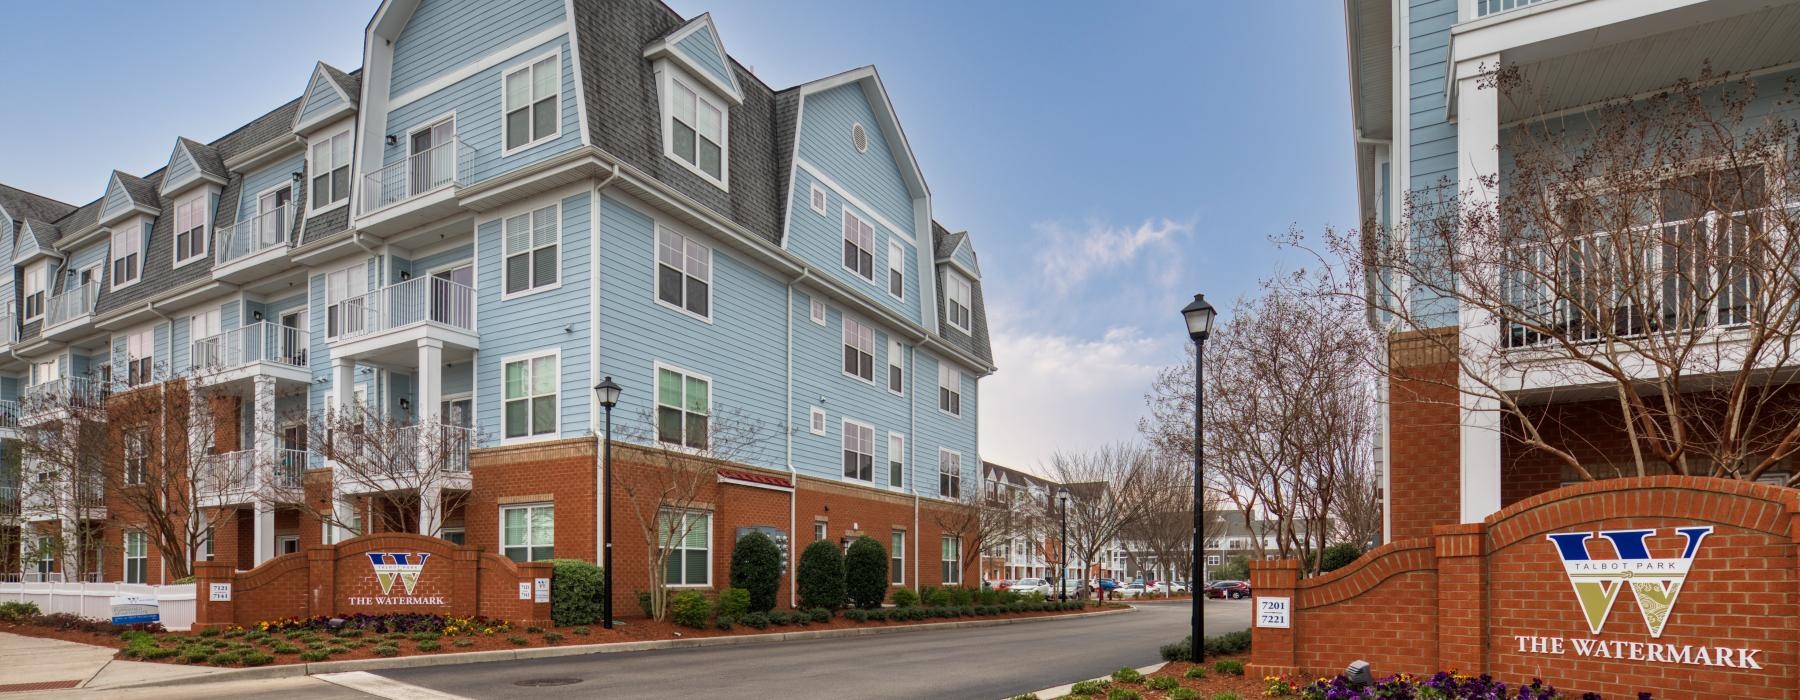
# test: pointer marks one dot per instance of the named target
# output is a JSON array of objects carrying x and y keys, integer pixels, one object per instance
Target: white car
[
  {"x": 1166, "y": 587},
  {"x": 1129, "y": 590},
  {"x": 1031, "y": 585}
]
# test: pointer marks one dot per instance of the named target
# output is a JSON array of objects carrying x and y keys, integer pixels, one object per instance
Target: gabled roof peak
[{"x": 697, "y": 47}]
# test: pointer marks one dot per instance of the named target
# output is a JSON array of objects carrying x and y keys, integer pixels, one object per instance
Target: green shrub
[
  {"x": 757, "y": 620},
  {"x": 154, "y": 653},
  {"x": 463, "y": 642},
  {"x": 583, "y": 631},
  {"x": 422, "y": 636},
  {"x": 387, "y": 650},
  {"x": 935, "y": 597},
  {"x": 1164, "y": 683},
  {"x": 780, "y": 618},
  {"x": 257, "y": 658},
  {"x": 553, "y": 637},
  {"x": 820, "y": 615},
  {"x": 1229, "y": 667},
  {"x": 1195, "y": 672},
  {"x": 905, "y": 597},
  {"x": 1226, "y": 696},
  {"x": 516, "y": 639},
  {"x": 350, "y": 632},
  {"x": 962, "y": 597},
  {"x": 756, "y": 568},
  {"x": 723, "y": 623},
  {"x": 1184, "y": 694},
  {"x": 1338, "y": 556},
  {"x": 877, "y": 615},
  {"x": 1179, "y": 651},
  {"x": 577, "y": 590},
  {"x": 821, "y": 576},
  {"x": 644, "y": 603},
  {"x": 430, "y": 645},
  {"x": 1087, "y": 688},
  {"x": 1025, "y": 696},
  {"x": 223, "y": 658},
  {"x": 341, "y": 649},
  {"x": 1123, "y": 694},
  {"x": 1128, "y": 675},
  {"x": 1228, "y": 643},
  {"x": 533, "y": 629},
  {"x": 16, "y": 611},
  {"x": 733, "y": 602},
  {"x": 856, "y": 615},
  {"x": 195, "y": 655},
  {"x": 866, "y": 573}
]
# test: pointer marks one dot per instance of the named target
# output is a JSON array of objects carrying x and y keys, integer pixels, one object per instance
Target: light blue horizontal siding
[
  {"x": 116, "y": 200},
  {"x": 872, "y": 176},
  {"x": 819, "y": 373},
  {"x": 940, "y": 430},
  {"x": 265, "y": 178},
  {"x": 699, "y": 46},
  {"x": 323, "y": 97},
  {"x": 819, "y": 239},
  {"x": 742, "y": 350},
  {"x": 181, "y": 165},
  {"x": 476, "y": 102},
  {"x": 444, "y": 35},
  {"x": 452, "y": 256},
  {"x": 557, "y": 319},
  {"x": 181, "y": 352},
  {"x": 92, "y": 254},
  {"x": 965, "y": 254},
  {"x": 318, "y": 356}
]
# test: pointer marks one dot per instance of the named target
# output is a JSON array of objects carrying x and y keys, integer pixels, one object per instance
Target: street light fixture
[
  {"x": 1062, "y": 545},
  {"x": 607, "y": 393},
  {"x": 1199, "y": 317}
]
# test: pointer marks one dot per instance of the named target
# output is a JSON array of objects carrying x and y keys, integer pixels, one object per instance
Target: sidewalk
[{"x": 39, "y": 664}]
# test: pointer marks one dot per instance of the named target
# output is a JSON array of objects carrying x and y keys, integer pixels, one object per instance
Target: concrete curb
[
  {"x": 1062, "y": 691},
  {"x": 471, "y": 657}
]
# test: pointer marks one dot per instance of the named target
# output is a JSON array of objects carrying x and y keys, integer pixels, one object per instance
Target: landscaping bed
[{"x": 1219, "y": 679}]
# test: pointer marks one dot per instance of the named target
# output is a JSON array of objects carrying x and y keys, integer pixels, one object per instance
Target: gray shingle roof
[
  {"x": 26, "y": 205},
  {"x": 45, "y": 232},
  {"x": 976, "y": 340},
  {"x": 351, "y": 83},
  {"x": 141, "y": 190},
  {"x": 206, "y": 157}
]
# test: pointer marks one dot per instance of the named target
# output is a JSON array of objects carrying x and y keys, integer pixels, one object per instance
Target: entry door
[
  {"x": 273, "y": 228},
  {"x": 448, "y": 303},
  {"x": 430, "y": 168},
  {"x": 293, "y": 339}
]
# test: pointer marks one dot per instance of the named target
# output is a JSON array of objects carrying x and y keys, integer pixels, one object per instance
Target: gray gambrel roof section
[
  {"x": 976, "y": 340},
  {"x": 22, "y": 205},
  {"x": 206, "y": 157},
  {"x": 350, "y": 83}
]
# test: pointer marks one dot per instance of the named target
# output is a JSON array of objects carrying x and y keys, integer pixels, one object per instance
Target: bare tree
[
  {"x": 1165, "y": 533},
  {"x": 990, "y": 517},
  {"x": 407, "y": 475},
  {"x": 1111, "y": 489},
  {"x": 62, "y": 497},
  {"x": 1638, "y": 258}
]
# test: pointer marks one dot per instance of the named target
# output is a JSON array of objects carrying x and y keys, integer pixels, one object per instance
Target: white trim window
[
  {"x": 190, "y": 228},
  {"x": 532, "y": 242},
  {"x": 949, "y": 473},
  {"x": 330, "y": 168},
  {"x": 819, "y": 527},
  {"x": 949, "y": 389},
  {"x": 1212, "y": 560},
  {"x": 530, "y": 396},
  {"x": 697, "y": 126},
  {"x": 859, "y": 451},
  {"x": 897, "y": 557},
  {"x": 683, "y": 407},
  {"x": 818, "y": 311},
  {"x": 687, "y": 534},
  {"x": 896, "y": 370},
  {"x": 958, "y": 293},
  {"x": 137, "y": 455},
  {"x": 206, "y": 349},
  {"x": 859, "y": 246},
  {"x": 951, "y": 548},
  {"x": 859, "y": 350},
  {"x": 37, "y": 277},
  {"x": 137, "y": 557},
  {"x": 341, "y": 285},
  {"x": 127, "y": 255},
  {"x": 683, "y": 273},
  {"x": 818, "y": 199},
  {"x": 817, "y": 421},
  {"x": 533, "y": 103},
  {"x": 896, "y": 460},
  {"x": 896, "y": 270},
  {"x": 140, "y": 356},
  {"x": 528, "y": 532}
]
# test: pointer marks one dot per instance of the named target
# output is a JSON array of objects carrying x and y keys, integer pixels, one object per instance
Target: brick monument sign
[
  {"x": 1680, "y": 586},
  {"x": 383, "y": 573}
]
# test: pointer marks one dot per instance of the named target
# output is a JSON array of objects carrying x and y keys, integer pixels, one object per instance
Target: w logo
[
  {"x": 1655, "y": 582},
  {"x": 401, "y": 566}
]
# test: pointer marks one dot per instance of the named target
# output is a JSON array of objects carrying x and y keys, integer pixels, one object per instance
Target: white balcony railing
[
  {"x": 422, "y": 299},
  {"x": 257, "y": 342},
  {"x": 1484, "y": 8},
  {"x": 289, "y": 466},
  {"x": 451, "y": 444},
  {"x": 420, "y": 173},
  {"x": 66, "y": 392},
  {"x": 9, "y": 413},
  {"x": 253, "y": 235},
  {"x": 229, "y": 471},
  {"x": 72, "y": 304},
  {"x": 9, "y": 501}
]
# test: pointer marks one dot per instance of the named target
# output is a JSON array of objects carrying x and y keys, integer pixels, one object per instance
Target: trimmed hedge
[
  {"x": 577, "y": 589},
  {"x": 689, "y": 609},
  {"x": 821, "y": 576},
  {"x": 756, "y": 567},
  {"x": 866, "y": 573},
  {"x": 733, "y": 603}
]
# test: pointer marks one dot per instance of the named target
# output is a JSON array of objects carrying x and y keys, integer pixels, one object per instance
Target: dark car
[{"x": 1228, "y": 589}]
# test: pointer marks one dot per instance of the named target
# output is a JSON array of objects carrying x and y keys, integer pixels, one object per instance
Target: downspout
[
  {"x": 793, "y": 474},
  {"x": 600, "y": 533},
  {"x": 912, "y": 480}
]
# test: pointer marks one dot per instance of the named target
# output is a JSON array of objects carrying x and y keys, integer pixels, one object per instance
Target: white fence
[{"x": 175, "y": 603}]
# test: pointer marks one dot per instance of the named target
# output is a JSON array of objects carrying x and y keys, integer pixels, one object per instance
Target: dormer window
[
  {"x": 957, "y": 292},
  {"x": 190, "y": 229},
  {"x": 696, "y": 127},
  {"x": 330, "y": 170},
  {"x": 37, "y": 276},
  {"x": 127, "y": 255}
]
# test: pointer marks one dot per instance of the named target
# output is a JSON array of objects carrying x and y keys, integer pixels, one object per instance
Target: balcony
[
  {"x": 253, "y": 247},
  {"x": 247, "y": 475},
  {"x": 9, "y": 502},
  {"x": 1484, "y": 8},
  {"x": 386, "y": 325},
  {"x": 411, "y": 457},
  {"x": 262, "y": 348},
  {"x": 417, "y": 190},
  {"x": 69, "y": 312},
  {"x": 57, "y": 397},
  {"x": 9, "y": 329}
]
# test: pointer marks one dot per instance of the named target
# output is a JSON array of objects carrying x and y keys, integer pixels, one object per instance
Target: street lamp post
[
  {"x": 1062, "y": 545},
  {"x": 1199, "y": 317},
  {"x": 607, "y": 392}
]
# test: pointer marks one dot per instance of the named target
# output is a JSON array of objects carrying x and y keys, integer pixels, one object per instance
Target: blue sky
[{"x": 1109, "y": 159}]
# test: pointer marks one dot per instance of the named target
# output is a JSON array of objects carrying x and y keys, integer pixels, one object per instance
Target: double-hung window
[
  {"x": 697, "y": 126},
  {"x": 530, "y": 396},
  {"x": 952, "y": 559},
  {"x": 190, "y": 228},
  {"x": 137, "y": 558},
  {"x": 859, "y": 246},
  {"x": 127, "y": 254},
  {"x": 687, "y": 537},
  {"x": 531, "y": 251},
  {"x": 346, "y": 285},
  {"x": 859, "y": 349},
  {"x": 896, "y": 270},
  {"x": 957, "y": 294},
  {"x": 331, "y": 170},
  {"x": 949, "y": 389},
  {"x": 859, "y": 451},
  {"x": 683, "y": 273},
  {"x": 896, "y": 460},
  {"x": 136, "y": 455},
  {"x": 896, "y": 372},
  {"x": 683, "y": 408},
  {"x": 528, "y": 533},
  {"x": 140, "y": 353},
  {"x": 37, "y": 276},
  {"x": 897, "y": 558},
  {"x": 533, "y": 103},
  {"x": 949, "y": 474}
]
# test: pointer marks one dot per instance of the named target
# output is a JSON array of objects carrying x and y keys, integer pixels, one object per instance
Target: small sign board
[
  {"x": 135, "y": 609},
  {"x": 1273, "y": 612},
  {"x": 542, "y": 592},
  {"x": 524, "y": 590},
  {"x": 219, "y": 592}
]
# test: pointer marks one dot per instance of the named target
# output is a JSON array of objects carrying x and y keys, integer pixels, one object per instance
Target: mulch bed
[
  {"x": 516, "y": 637},
  {"x": 1213, "y": 685}
]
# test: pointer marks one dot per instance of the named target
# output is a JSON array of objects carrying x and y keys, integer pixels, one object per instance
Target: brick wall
[
  {"x": 1424, "y": 440},
  {"x": 1461, "y": 598}
]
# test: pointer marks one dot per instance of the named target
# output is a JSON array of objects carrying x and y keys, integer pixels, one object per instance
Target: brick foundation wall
[{"x": 1424, "y": 440}]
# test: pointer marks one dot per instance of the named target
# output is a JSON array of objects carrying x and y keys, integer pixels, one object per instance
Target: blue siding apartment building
[{"x": 506, "y": 203}]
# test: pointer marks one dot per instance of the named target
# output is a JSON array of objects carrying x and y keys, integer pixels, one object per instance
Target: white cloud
[
  {"x": 1061, "y": 392},
  {"x": 1068, "y": 258}
]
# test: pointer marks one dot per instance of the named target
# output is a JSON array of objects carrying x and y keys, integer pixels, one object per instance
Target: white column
[
  {"x": 430, "y": 380},
  {"x": 343, "y": 387},
  {"x": 263, "y": 465},
  {"x": 1478, "y": 156}
]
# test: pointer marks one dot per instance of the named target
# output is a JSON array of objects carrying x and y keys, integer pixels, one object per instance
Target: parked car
[
  {"x": 1003, "y": 585},
  {"x": 1130, "y": 590},
  {"x": 1070, "y": 586},
  {"x": 1167, "y": 587},
  {"x": 1228, "y": 589},
  {"x": 1031, "y": 585}
]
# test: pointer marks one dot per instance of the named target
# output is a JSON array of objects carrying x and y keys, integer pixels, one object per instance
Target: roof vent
[{"x": 860, "y": 138}]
